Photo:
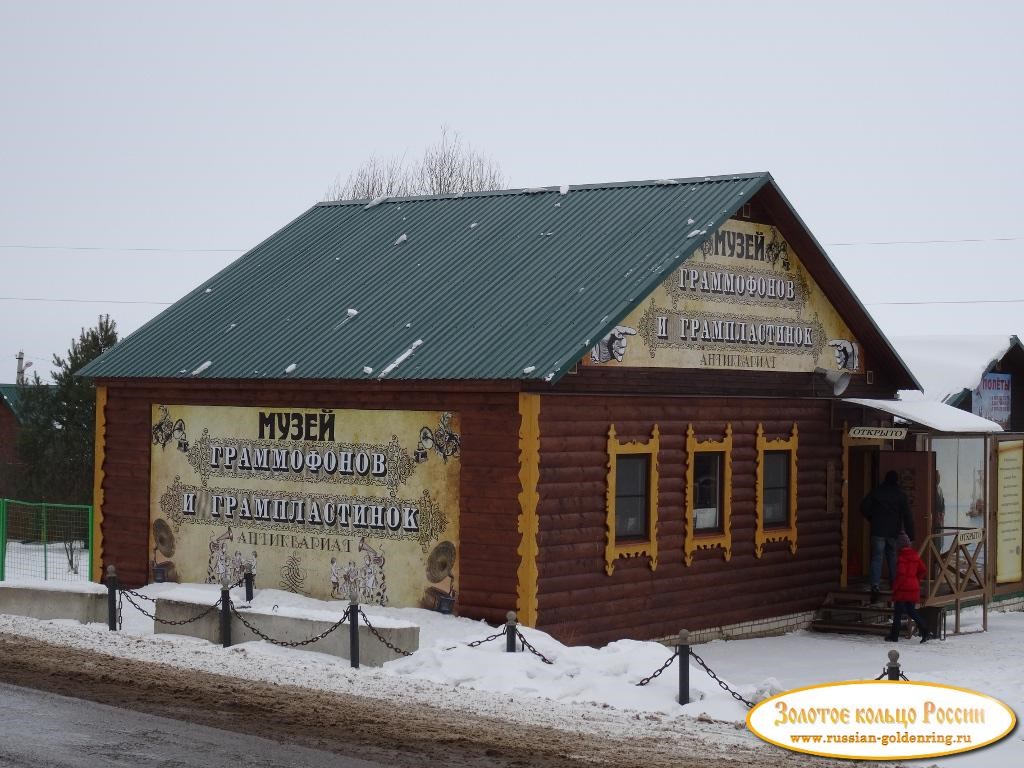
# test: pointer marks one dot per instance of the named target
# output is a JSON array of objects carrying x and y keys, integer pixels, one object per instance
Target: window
[
  {"x": 631, "y": 496},
  {"x": 631, "y": 524},
  {"x": 776, "y": 488},
  {"x": 708, "y": 494},
  {"x": 776, "y": 491}
]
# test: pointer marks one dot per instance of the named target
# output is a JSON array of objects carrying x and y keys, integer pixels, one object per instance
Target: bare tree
[{"x": 448, "y": 166}]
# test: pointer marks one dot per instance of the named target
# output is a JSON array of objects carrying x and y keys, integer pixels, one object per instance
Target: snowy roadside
[{"x": 586, "y": 690}]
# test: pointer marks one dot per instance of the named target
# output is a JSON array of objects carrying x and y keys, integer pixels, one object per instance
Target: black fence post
[
  {"x": 225, "y": 613},
  {"x": 683, "y": 651},
  {"x": 510, "y": 632},
  {"x": 111, "y": 598},
  {"x": 892, "y": 669},
  {"x": 248, "y": 582},
  {"x": 353, "y": 632}
]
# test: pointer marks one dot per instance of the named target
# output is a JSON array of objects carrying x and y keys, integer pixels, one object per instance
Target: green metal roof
[
  {"x": 9, "y": 397},
  {"x": 515, "y": 284}
]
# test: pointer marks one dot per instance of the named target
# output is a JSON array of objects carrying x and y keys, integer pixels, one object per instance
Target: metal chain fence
[
  {"x": 45, "y": 541},
  {"x": 488, "y": 639},
  {"x": 286, "y": 643},
  {"x": 129, "y": 595},
  {"x": 531, "y": 649},
  {"x": 722, "y": 684},
  {"x": 655, "y": 673},
  {"x": 380, "y": 637}
]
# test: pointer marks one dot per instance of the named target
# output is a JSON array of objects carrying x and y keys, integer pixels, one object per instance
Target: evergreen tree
[{"x": 57, "y": 438}]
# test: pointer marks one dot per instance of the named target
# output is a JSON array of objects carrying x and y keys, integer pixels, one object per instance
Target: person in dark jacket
[
  {"x": 889, "y": 512},
  {"x": 906, "y": 590}
]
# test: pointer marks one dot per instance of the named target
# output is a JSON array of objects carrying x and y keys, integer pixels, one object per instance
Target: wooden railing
[{"x": 955, "y": 562}]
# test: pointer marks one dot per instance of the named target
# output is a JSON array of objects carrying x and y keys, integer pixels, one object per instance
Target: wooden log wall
[
  {"x": 9, "y": 428},
  {"x": 579, "y": 603},
  {"x": 489, "y": 473}
]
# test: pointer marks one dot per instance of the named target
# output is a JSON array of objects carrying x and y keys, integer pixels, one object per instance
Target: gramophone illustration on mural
[{"x": 440, "y": 596}]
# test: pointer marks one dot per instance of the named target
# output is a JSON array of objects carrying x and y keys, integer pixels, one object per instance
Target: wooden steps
[{"x": 851, "y": 611}]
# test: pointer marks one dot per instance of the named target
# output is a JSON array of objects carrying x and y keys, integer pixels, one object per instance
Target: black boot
[
  {"x": 924, "y": 635},
  {"x": 875, "y": 594}
]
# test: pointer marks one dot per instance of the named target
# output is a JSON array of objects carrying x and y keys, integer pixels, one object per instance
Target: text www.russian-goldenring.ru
[{"x": 884, "y": 740}]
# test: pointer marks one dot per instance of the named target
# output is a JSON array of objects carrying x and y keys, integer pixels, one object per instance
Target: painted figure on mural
[
  {"x": 350, "y": 580},
  {"x": 888, "y": 511},
  {"x": 374, "y": 587},
  {"x": 335, "y": 577},
  {"x": 237, "y": 567},
  {"x": 938, "y": 508},
  {"x": 217, "y": 564}
]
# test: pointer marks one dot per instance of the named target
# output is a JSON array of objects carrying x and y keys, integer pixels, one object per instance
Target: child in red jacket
[{"x": 906, "y": 589}]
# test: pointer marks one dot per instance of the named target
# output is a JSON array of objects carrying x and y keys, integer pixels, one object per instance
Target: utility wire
[
  {"x": 865, "y": 243},
  {"x": 929, "y": 242},
  {"x": 168, "y": 303},
  {"x": 82, "y": 301},
  {"x": 119, "y": 250}
]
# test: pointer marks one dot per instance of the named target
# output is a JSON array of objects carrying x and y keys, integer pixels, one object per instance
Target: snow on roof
[
  {"x": 937, "y": 416},
  {"x": 947, "y": 365}
]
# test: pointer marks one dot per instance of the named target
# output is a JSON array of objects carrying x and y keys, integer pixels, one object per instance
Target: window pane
[
  {"x": 776, "y": 488},
  {"x": 707, "y": 491},
  {"x": 631, "y": 475}
]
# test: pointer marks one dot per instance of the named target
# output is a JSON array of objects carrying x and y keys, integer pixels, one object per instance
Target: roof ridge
[{"x": 545, "y": 189}]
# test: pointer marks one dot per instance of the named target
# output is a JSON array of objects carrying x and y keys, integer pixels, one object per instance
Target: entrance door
[
  {"x": 861, "y": 478},
  {"x": 917, "y": 479}
]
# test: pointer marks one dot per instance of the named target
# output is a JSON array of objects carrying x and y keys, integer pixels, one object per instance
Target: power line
[
  {"x": 168, "y": 303},
  {"x": 953, "y": 301},
  {"x": 82, "y": 301},
  {"x": 119, "y": 250},
  {"x": 865, "y": 243},
  {"x": 929, "y": 242}
]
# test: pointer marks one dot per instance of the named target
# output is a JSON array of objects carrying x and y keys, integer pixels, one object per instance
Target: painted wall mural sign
[
  {"x": 321, "y": 502},
  {"x": 991, "y": 399},
  {"x": 741, "y": 301}
]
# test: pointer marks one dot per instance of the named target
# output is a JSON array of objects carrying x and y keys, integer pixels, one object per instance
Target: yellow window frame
[
  {"x": 699, "y": 540},
  {"x": 613, "y": 550},
  {"x": 763, "y": 535}
]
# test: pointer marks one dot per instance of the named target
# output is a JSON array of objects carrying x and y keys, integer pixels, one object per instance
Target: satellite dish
[{"x": 838, "y": 380}]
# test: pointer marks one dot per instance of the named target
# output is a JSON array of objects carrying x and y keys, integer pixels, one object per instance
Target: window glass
[
  {"x": 707, "y": 491},
  {"x": 776, "y": 488},
  {"x": 631, "y": 499}
]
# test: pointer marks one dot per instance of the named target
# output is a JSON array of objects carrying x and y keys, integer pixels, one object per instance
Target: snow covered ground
[{"x": 585, "y": 689}]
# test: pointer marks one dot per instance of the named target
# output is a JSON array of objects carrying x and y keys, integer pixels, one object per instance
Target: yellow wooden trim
[
  {"x": 99, "y": 455},
  {"x": 529, "y": 476},
  {"x": 764, "y": 535},
  {"x": 845, "y": 549},
  {"x": 649, "y": 548},
  {"x": 723, "y": 539}
]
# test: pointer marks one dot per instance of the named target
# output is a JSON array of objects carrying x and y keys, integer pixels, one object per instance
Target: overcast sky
[{"x": 146, "y": 145}]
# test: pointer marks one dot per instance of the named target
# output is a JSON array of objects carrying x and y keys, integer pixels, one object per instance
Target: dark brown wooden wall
[
  {"x": 9, "y": 428},
  {"x": 489, "y": 473},
  {"x": 579, "y": 603}
]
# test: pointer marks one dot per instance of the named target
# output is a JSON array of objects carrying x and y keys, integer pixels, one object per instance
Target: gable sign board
[
  {"x": 742, "y": 301},
  {"x": 321, "y": 502}
]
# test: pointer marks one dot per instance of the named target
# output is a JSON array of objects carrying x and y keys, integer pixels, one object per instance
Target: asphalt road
[{"x": 44, "y": 730}]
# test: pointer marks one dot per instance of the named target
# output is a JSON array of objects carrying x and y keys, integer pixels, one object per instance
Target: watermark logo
[{"x": 881, "y": 720}]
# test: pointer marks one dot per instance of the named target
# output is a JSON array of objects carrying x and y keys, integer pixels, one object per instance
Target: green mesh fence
[{"x": 45, "y": 541}]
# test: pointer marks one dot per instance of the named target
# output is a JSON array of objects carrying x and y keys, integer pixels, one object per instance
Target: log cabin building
[{"x": 613, "y": 408}]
